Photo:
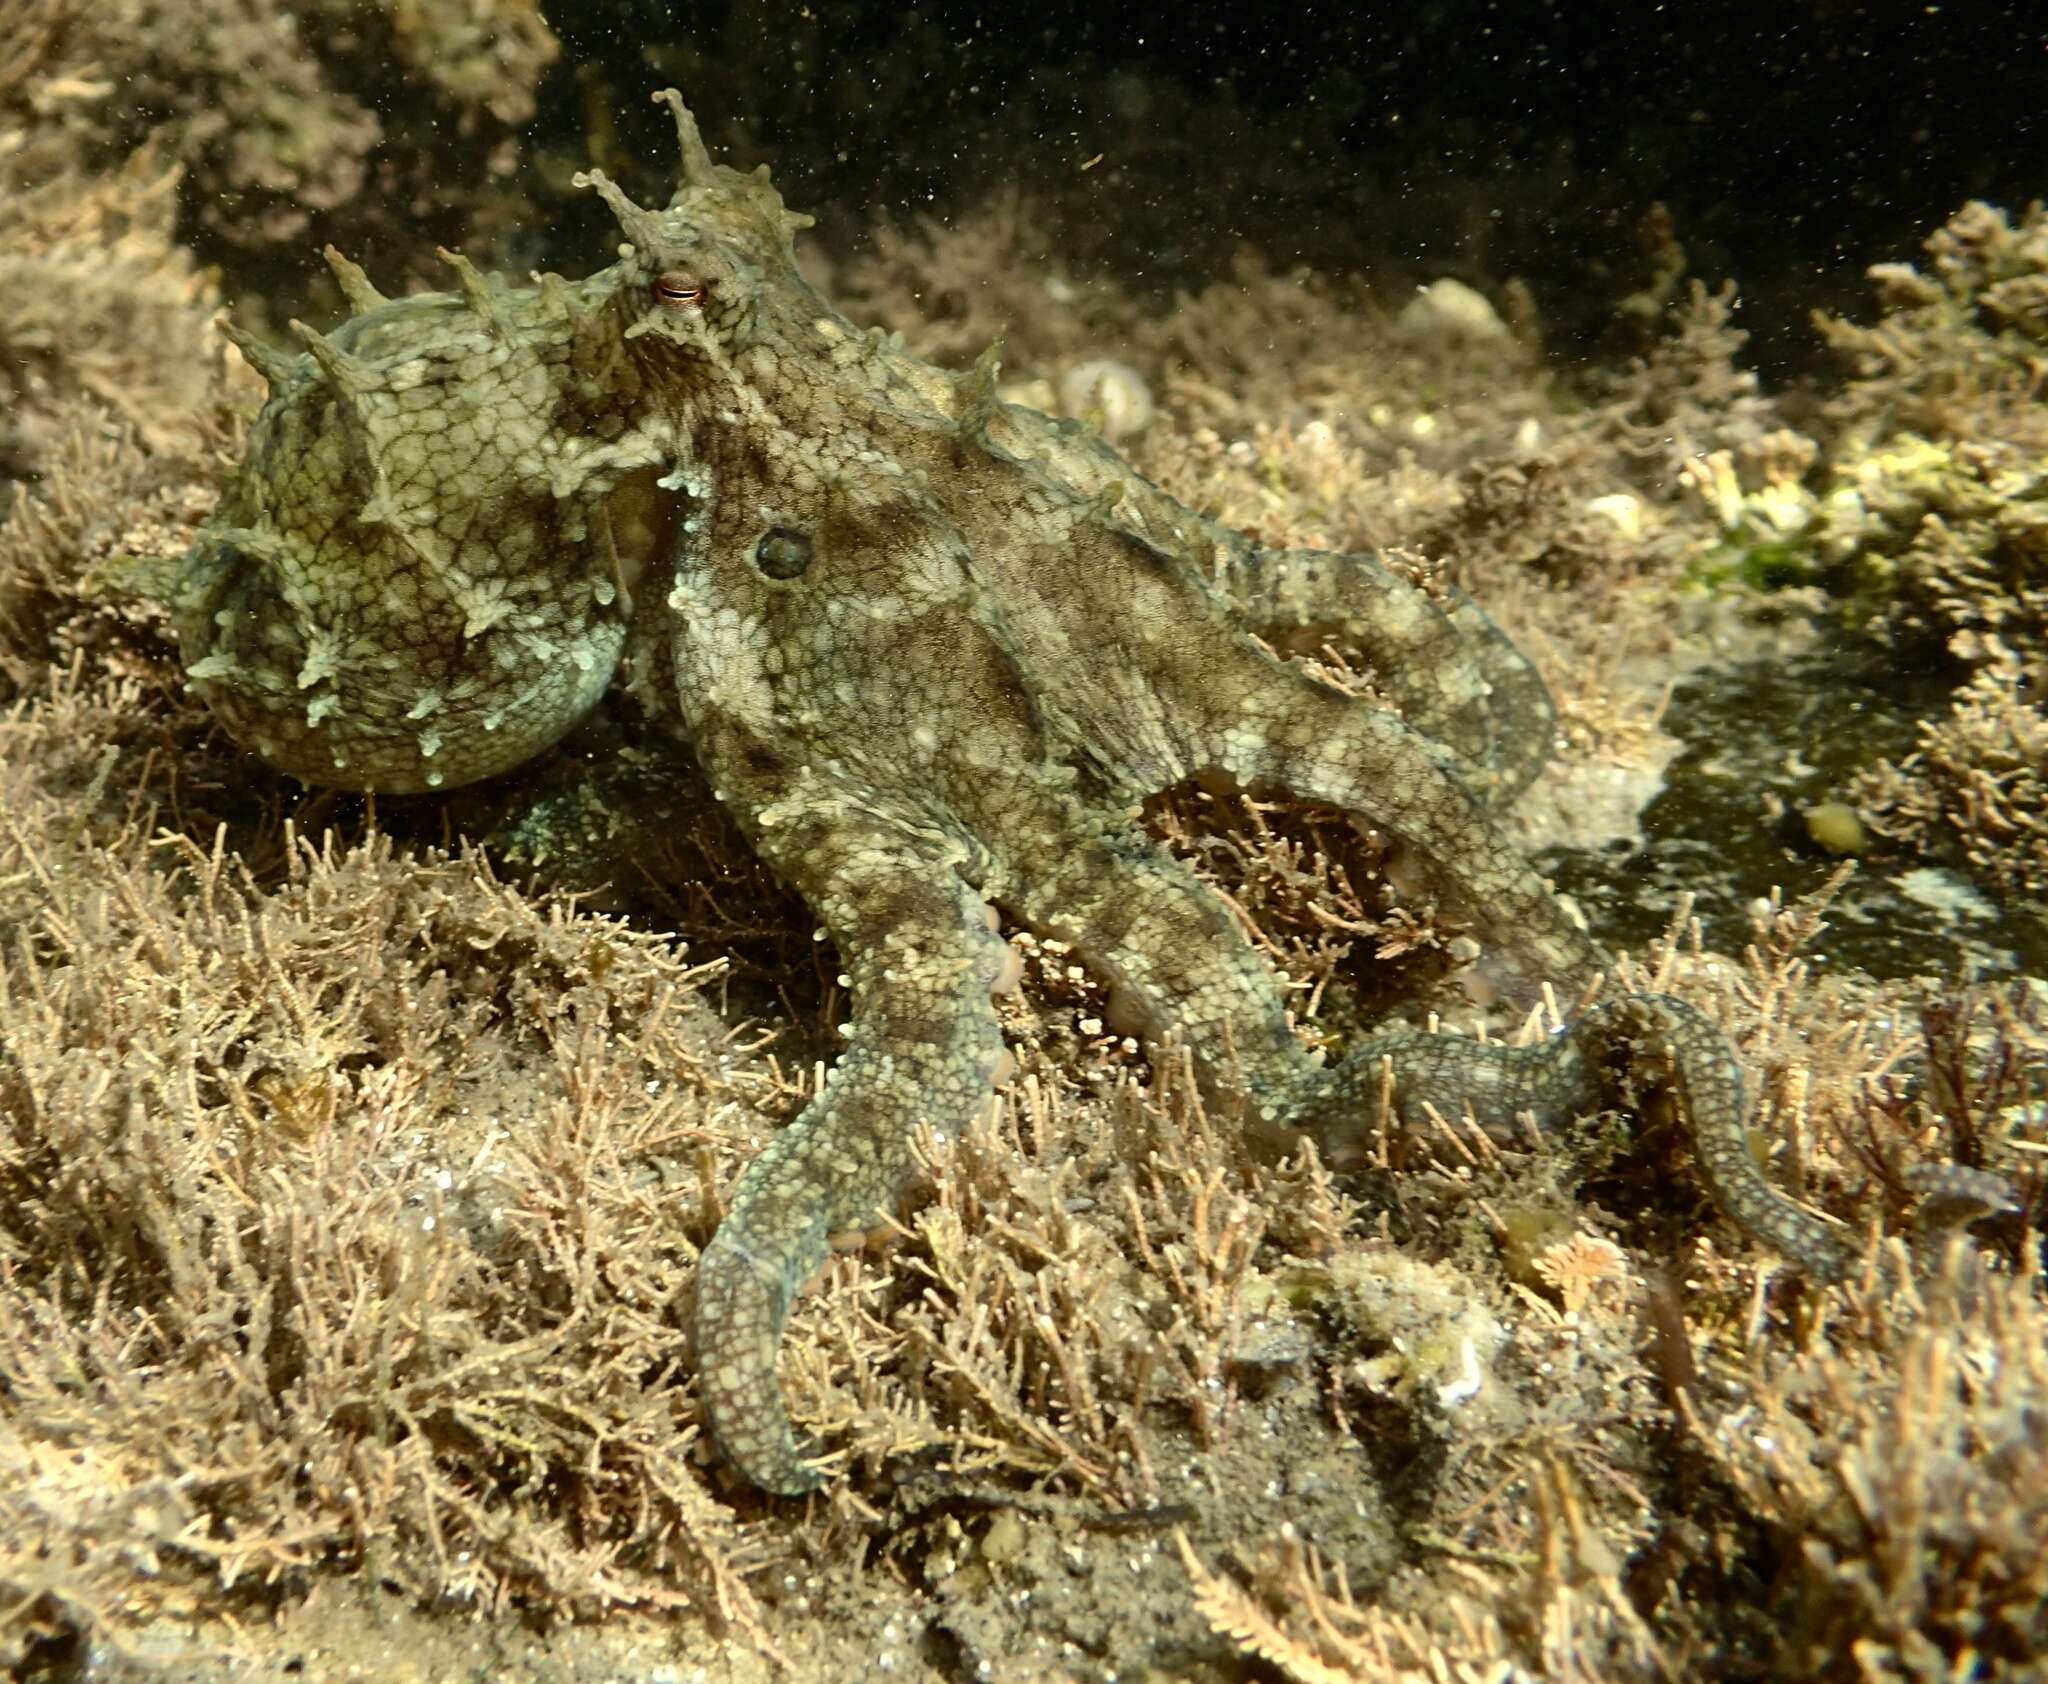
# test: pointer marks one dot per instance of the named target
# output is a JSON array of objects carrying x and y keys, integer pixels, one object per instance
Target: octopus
[{"x": 933, "y": 650}]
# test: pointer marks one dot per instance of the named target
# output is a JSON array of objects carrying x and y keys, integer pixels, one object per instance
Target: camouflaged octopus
[{"x": 932, "y": 649}]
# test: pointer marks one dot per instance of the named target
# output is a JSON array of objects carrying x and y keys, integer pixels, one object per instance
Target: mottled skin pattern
[{"x": 931, "y": 649}]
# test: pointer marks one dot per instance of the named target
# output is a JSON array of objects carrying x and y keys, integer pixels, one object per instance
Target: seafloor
[{"x": 354, "y": 1157}]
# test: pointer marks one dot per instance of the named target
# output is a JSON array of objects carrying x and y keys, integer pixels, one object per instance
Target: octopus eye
[
  {"x": 678, "y": 290},
  {"x": 783, "y": 554}
]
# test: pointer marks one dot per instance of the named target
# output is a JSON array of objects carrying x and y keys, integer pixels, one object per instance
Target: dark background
[{"x": 1792, "y": 143}]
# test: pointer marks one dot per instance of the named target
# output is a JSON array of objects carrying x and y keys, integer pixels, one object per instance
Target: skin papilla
[{"x": 931, "y": 649}]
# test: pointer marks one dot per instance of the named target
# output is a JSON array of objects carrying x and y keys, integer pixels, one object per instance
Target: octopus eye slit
[{"x": 679, "y": 291}]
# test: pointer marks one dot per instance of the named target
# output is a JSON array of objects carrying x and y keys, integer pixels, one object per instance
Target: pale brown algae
[{"x": 932, "y": 650}]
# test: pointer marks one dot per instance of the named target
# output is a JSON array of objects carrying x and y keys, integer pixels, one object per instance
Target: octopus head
[{"x": 696, "y": 273}]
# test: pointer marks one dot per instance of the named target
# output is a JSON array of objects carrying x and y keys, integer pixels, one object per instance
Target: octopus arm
[
  {"x": 1434, "y": 654},
  {"x": 1171, "y": 950},
  {"x": 923, "y": 1046},
  {"x": 1437, "y": 656},
  {"x": 1614, "y": 1055},
  {"x": 1269, "y": 726}
]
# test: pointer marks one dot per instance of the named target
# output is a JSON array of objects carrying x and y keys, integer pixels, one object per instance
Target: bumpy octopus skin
[{"x": 932, "y": 650}]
